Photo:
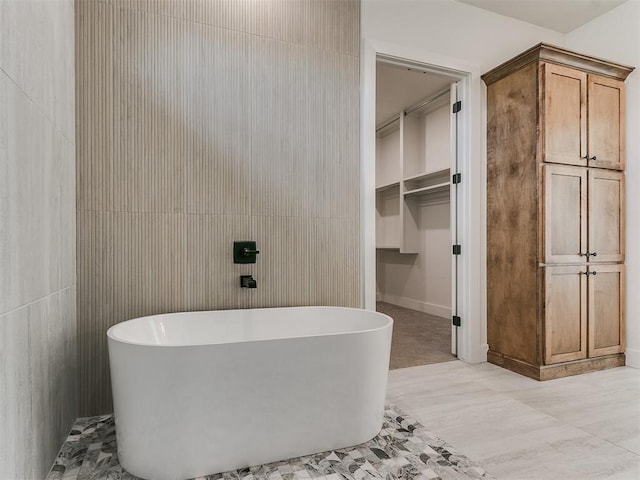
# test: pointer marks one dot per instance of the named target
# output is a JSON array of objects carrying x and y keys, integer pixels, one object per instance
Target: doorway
[
  {"x": 469, "y": 292},
  {"x": 415, "y": 164}
]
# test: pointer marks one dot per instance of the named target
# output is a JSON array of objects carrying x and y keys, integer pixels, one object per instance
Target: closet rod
[
  {"x": 413, "y": 108},
  {"x": 427, "y": 101},
  {"x": 387, "y": 123}
]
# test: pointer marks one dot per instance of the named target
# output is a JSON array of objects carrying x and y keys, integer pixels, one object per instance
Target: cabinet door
[
  {"x": 564, "y": 115},
  {"x": 606, "y": 309},
  {"x": 606, "y": 122},
  {"x": 565, "y": 314},
  {"x": 565, "y": 214},
  {"x": 606, "y": 216}
]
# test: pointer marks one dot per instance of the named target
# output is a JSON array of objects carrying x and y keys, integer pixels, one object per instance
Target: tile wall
[
  {"x": 37, "y": 234},
  {"x": 201, "y": 122}
]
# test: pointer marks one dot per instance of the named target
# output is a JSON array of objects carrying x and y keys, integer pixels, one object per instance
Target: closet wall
[{"x": 413, "y": 232}]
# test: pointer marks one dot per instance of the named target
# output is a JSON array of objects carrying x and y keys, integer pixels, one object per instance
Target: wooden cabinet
[
  {"x": 582, "y": 118},
  {"x": 564, "y": 115},
  {"x": 555, "y": 213},
  {"x": 606, "y": 294},
  {"x": 565, "y": 314},
  {"x": 583, "y": 215},
  {"x": 583, "y": 302},
  {"x": 605, "y": 115}
]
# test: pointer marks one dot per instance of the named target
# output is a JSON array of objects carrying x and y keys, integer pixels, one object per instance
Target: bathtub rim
[{"x": 113, "y": 337}]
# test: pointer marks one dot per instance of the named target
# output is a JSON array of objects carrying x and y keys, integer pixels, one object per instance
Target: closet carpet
[{"x": 418, "y": 338}]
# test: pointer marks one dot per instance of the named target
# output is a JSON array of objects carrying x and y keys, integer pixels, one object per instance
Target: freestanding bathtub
[{"x": 207, "y": 392}]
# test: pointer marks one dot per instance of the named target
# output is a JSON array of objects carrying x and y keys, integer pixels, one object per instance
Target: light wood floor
[{"x": 582, "y": 427}]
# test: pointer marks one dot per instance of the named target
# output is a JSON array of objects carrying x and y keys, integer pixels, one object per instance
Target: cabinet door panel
[
  {"x": 606, "y": 310},
  {"x": 565, "y": 214},
  {"x": 606, "y": 122},
  {"x": 565, "y": 314},
  {"x": 564, "y": 115},
  {"x": 606, "y": 216}
]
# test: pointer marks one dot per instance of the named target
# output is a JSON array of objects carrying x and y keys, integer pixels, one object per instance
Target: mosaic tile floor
[{"x": 404, "y": 449}]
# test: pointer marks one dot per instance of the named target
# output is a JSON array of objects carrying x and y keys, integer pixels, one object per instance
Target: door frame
[{"x": 471, "y": 205}]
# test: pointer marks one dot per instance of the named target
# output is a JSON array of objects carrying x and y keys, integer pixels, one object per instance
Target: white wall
[
  {"x": 37, "y": 234},
  {"x": 453, "y": 29},
  {"x": 477, "y": 40},
  {"x": 616, "y": 36},
  {"x": 421, "y": 282}
]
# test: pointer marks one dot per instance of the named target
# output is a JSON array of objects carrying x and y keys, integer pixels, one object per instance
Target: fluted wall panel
[{"x": 201, "y": 122}]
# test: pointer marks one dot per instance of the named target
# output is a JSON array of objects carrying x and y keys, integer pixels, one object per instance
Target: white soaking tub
[{"x": 206, "y": 392}]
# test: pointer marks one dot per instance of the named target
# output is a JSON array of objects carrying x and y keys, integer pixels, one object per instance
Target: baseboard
[
  {"x": 633, "y": 358},
  {"x": 484, "y": 349},
  {"x": 430, "y": 308},
  {"x": 558, "y": 370}
]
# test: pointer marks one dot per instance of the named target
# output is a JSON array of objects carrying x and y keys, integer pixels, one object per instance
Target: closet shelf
[
  {"x": 387, "y": 186},
  {"x": 387, "y": 247},
  {"x": 423, "y": 177},
  {"x": 418, "y": 192}
]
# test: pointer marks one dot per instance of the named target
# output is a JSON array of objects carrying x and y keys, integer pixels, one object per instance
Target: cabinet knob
[
  {"x": 589, "y": 273},
  {"x": 588, "y": 254},
  {"x": 593, "y": 159}
]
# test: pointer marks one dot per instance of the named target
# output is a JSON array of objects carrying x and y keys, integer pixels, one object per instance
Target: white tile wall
[{"x": 37, "y": 235}]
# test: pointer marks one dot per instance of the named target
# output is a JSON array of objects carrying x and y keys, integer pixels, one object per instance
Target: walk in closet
[{"x": 414, "y": 130}]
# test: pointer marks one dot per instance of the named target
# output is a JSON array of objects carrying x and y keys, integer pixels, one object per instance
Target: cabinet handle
[
  {"x": 589, "y": 273},
  {"x": 587, "y": 254},
  {"x": 593, "y": 159}
]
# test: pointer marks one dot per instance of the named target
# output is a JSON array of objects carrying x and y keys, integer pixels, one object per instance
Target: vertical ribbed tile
[
  {"x": 94, "y": 104},
  {"x": 130, "y": 265},
  {"x": 149, "y": 117},
  {"x": 335, "y": 261},
  {"x": 280, "y": 158},
  {"x": 282, "y": 271},
  {"x": 333, "y": 25},
  {"x": 332, "y": 135},
  {"x": 211, "y": 279},
  {"x": 214, "y": 121},
  {"x": 218, "y": 163}
]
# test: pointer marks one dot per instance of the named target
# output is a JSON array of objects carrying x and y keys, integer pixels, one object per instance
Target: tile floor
[
  {"x": 418, "y": 338},
  {"x": 582, "y": 427},
  {"x": 403, "y": 450}
]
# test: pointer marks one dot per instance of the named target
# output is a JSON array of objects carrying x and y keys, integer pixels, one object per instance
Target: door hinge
[
  {"x": 457, "y": 178},
  {"x": 457, "y": 106},
  {"x": 456, "y": 321},
  {"x": 457, "y": 249}
]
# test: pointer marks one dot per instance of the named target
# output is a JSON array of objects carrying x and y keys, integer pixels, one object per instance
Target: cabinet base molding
[{"x": 549, "y": 372}]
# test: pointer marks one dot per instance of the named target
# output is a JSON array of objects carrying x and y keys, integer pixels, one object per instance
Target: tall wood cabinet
[{"x": 555, "y": 213}]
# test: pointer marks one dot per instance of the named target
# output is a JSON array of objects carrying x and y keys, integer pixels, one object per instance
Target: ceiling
[
  {"x": 560, "y": 15},
  {"x": 398, "y": 88}
]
